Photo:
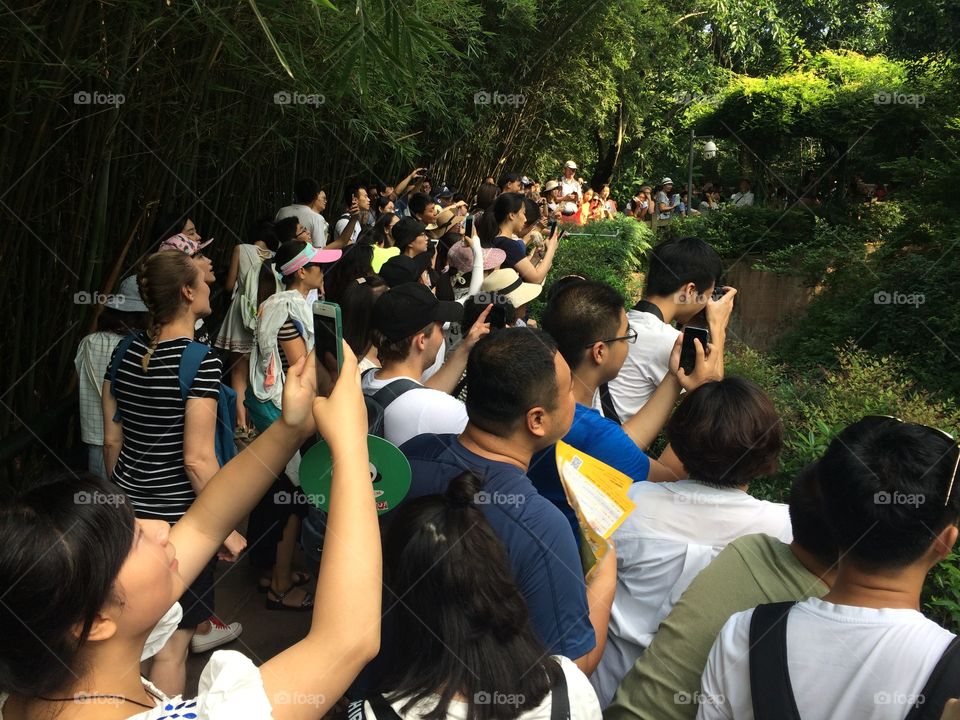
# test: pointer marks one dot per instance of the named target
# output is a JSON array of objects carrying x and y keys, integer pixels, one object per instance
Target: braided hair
[{"x": 160, "y": 279}]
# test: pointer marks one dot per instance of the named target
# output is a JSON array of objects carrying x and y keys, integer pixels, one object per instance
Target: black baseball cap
[
  {"x": 406, "y": 231},
  {"x": 402, "y": 269},
  {"x": 406, "y": 309}
]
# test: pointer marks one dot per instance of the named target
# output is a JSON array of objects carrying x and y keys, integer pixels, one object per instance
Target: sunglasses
[
  {"x": 630, "y": 337},
  {"x": 943, "y": 433}
]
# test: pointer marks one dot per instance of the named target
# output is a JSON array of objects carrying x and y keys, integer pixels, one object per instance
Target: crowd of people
[{"x": 469, "y": 600}]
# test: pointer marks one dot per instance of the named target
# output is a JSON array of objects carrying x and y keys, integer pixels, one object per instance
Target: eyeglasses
[
  {"x": 944, "y": 433},
  {"x": 630, "y": 337},
  {"x": 303, "y": 233}
]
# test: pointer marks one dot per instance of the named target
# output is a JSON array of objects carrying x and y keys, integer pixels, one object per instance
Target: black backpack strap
[
  {"x": 392, "y": 390},
  {"x": 770, "y": 688},
  {"x": 606, "y": 404},
  {"x": 560, "y": 698},
  {"x": 648, "y": 307},
  {"x": 383, "y": 709},
  {"x": 943, "y": 684}
]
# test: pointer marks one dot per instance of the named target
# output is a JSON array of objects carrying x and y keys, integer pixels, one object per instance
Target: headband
[{"x": 302, "y": 258}]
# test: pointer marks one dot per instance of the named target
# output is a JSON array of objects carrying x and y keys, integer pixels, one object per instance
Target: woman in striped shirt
[{"x": 158, "y": 447}]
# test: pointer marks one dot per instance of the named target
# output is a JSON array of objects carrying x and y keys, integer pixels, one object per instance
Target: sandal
[
  {"x": 305, "y": 605},
  {"x": 299, "y": 580}
]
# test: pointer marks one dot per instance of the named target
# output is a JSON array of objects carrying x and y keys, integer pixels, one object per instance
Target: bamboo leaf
[{"x": 270, "y": 38}]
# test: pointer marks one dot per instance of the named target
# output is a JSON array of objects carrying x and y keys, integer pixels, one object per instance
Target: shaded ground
[{"x": 265, "y": 632}]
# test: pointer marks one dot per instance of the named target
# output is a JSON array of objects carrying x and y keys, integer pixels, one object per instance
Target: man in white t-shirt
[
  {"x": 744, "y": 198},
  {"x": 308, "y": 202},
  {"x": 681, "y": 278},
  {"x": 726, "y": 434},
  {"x": 408, "y": 331},
  {"x": 864, "y": 650},
  {"x": 570, "y": 189},
  {"x": 349, "y": 224}
]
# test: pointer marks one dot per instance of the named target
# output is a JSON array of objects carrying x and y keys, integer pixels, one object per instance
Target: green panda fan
[{"x": 389, "y": 472}]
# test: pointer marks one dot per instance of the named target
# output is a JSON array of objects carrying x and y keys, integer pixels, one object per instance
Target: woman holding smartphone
[{"x": 86, "y": 583}]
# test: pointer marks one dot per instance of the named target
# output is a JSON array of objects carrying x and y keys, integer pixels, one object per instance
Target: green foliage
[
  {"x": 609, "y": 251},
  {"x": 735, "y": 232}
]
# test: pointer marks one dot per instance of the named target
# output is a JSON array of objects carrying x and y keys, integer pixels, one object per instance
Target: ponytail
[{"x": 161, "y": 278}]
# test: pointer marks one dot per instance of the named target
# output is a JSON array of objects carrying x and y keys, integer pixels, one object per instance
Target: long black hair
[
  {"x": 463, "y": 626},
  {"x": 356, "y": 306},
  {"x": 62, "y": 545}
]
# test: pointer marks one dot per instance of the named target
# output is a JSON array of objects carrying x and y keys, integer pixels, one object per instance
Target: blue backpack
[{"x": 193, "y": 355}]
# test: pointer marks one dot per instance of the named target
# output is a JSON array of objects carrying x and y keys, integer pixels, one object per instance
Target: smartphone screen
[
  {"x": 328, "y": 335},
  {"x": 468, "y": 226},
  {"x": 553, "y": 227},
  {"x": 688, "y": 351}
]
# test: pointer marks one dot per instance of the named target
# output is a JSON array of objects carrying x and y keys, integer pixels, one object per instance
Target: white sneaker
[{"x": 220, "y": 634}]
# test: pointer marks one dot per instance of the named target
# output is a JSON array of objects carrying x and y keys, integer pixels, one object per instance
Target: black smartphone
[
  {"x": 552, "y": 225},
  {"x": 468, "y": 226},
  {"x": 688, "y": 351},
  {"x": 328, "y": 342}
]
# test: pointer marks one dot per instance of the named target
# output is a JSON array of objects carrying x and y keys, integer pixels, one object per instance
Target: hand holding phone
[
  {"x": 553, "y": 227},
  {"x": 328, "y": 339},
  {"x": 688, "y": 350}
]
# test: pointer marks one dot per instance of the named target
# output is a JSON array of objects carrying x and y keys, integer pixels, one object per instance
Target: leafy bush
[
  {"x": 609, "y": 251},
  {"x": 736, "y": 231}
]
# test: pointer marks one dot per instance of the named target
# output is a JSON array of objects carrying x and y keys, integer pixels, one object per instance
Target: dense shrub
[{"x": 611, "y": 251}]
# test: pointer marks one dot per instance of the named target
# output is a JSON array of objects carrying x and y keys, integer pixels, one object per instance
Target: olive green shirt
[{"x": 664, "y": 684}]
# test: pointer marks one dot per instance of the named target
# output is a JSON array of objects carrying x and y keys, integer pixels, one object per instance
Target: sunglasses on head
[{"x": 938, "y": 431}]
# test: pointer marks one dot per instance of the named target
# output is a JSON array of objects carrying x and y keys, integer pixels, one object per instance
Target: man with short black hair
[
  {"x": 590, "y": 327},
  {"x": 423, "y": 208},
  {"x": 308, "y": 202},
  {"x": 864, "y": 650},
  {"x": 510, "y": 182},
  {"x": 349, "y": 225},
  {"x": 519, "y": 401},
  {"x": 408, "y": 332},
  {"x": 681, "y": 278}
]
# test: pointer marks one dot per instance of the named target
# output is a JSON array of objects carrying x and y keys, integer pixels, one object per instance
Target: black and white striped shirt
[{"x": 150, "y": 467}]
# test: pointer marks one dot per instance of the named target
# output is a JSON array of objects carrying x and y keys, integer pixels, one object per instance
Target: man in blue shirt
[
  {"x": 589, "y": 324},
  {"x": 519, "y": 401}
]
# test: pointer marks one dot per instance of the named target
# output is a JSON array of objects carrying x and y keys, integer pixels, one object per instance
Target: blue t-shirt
[
  {"x": 515, "y": 250},
  {"x": 598, "y": 437},
  {"x": 545, "y": 561}
]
